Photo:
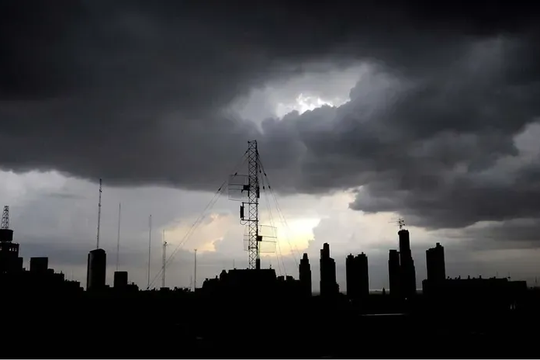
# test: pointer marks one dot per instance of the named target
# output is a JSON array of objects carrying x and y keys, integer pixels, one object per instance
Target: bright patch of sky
[
  {"x": 302, "y": 93},
  {"x": 305, "y": 103}
]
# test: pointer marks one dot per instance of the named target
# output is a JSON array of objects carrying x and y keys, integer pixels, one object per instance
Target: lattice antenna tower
[
  {"x": 401, "y": 223},
  {"x": 247, "y": 188},
  {"x": 98, "y": 216},
  {"x": 164, "y": 260},
  {"x": 149, "y": 250},
  {"x": 118, "y": 236},
  {"x": 5, "y": 218}
]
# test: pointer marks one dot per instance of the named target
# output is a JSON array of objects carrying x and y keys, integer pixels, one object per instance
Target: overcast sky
[{"x": 364, "y": 112}]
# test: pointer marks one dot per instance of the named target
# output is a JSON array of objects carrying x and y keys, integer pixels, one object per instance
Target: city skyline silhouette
[
  {"x": 342, "y": 179},
  {"x": 463, "y": 302}
]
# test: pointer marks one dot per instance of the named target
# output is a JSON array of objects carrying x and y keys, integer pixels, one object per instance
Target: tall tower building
[
  {"x": 394, "y": 273},
  {"x": 305, "y": 275},
  {"x": 363, "y": 273},
  {"x": 408, "y": 271},
  {"x": 357, "y": 276},
  {"x": 351, "y": 277},
  {"x": 328, "y": 283},
  {"x": 436, "y": 268},
  {"x": 9, "y": 251},
  {"x": 96, "y": 271}
]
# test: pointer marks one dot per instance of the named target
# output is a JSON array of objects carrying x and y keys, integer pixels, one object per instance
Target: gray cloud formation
[{"x": 141, "y": 93}]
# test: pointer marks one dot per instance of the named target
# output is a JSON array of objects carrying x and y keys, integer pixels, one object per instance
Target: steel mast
[
  {"x": 253, "y": 190},
  {"x": 246, "y": 188},
  {"x": 164, "y": 259},
  {"x": 149, "y": 249},
  {"x": 5, "y": 218},
  {"x": 98, "y": 216}
]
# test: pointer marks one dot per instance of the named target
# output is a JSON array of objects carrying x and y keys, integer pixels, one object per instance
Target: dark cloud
[
  {"x": 141, "y": 93},
  {"x": 521, "y": 233}
]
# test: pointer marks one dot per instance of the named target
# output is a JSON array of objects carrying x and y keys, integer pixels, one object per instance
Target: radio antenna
[
  {"x": 118, "y": 238},
  {"x": 98, "y": 216}
]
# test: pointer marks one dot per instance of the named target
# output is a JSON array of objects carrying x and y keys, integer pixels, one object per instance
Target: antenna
[
  {"x": 98, "y": 216},
  {"x": 195, "y": 272},
  {"x": 118, "y": 238},
  {"x": 149, "y": 249},
  {"x": 247, "y": 188},
  {"x": 401, "y": 223},
  {"x": 164, "y": 259},
  {"x": 5, "y": 218},
  {"x": 253, "y": 198}
]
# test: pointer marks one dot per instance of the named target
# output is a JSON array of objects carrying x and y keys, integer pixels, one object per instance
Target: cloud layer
[{"x": 142, "y": 93}]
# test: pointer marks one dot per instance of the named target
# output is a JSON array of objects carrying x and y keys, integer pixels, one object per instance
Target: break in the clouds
[{"x": 436, "y": 128}]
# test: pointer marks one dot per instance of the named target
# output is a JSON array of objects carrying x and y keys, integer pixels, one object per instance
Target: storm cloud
[{"x": 142, "y": 93}]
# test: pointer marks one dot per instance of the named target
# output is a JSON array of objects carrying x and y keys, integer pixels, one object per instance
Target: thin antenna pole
[
  {"x": 98, "y": 216},
  {"x": 149, "y": 249},
  {"x": 164, "y": 260},
  {"x": 118, "y": 238},
  {"x": 195, "y": 272}
]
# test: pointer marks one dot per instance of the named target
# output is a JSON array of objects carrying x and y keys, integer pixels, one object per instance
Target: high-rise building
[
  {"x": 96, "y": 271},
  {"x": 363, "y": 271},
  {"x": 357, "y": 276},
  {"x": 406, "y": 262},
  {"x": 305, "y": 275},
  {"x": 351, "y": 277},
  {"x": 436, "y": 269},
  {"x": 328, "y": 283},
  {"x": 394, "y": 273}
]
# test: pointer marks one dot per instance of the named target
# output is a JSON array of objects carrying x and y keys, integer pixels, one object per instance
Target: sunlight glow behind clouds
[
  {"x": 305, "y": 103},
  {"x": 294, "y": 236}
]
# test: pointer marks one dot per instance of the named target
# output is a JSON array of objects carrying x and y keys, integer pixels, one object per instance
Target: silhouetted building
[
  {"x": 96, "y": 271},
  {"x": 9, "y": 253},
  {"x": 406, "y": 262},
  {"x": 436, "y": 271},
  {"x": 305, "y": 275},
  {"x": 328, "y": 283},
  {"x": 6, "y": 235},
  {"x": 357, "y": 276},
  {"x": 243, "y": 283},
  {"x": 289, "y": 286},
  {"x": 351, "y": 278},
  {"x": 363, "y": 270},
  {"x": 120, "y": 279},
  {"x": 394, "y": 274},
  {"x": 39, "y": 265}
]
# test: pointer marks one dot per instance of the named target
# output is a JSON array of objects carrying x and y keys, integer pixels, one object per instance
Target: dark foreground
[{"x": 198, "y": 328}]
